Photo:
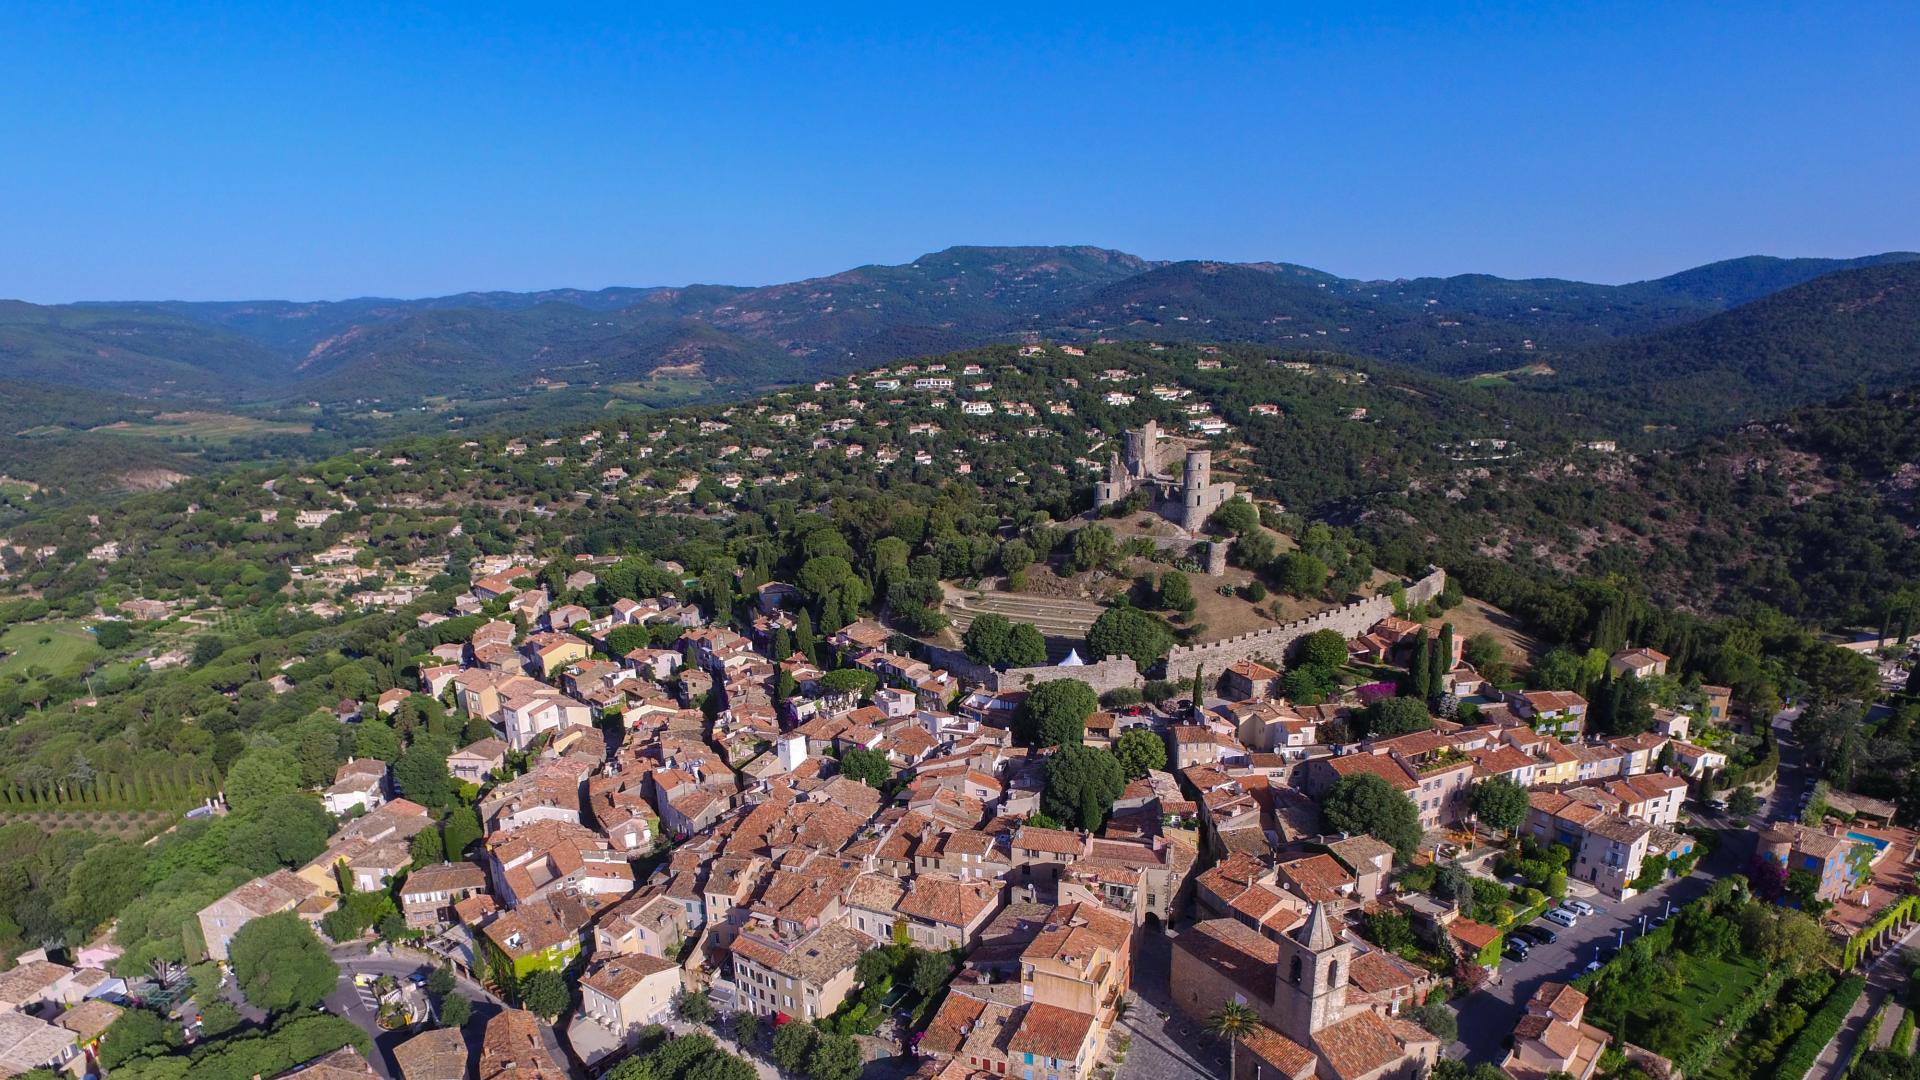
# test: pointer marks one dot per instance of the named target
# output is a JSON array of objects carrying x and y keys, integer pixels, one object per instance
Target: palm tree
[{"x": 1233, "y": 1022}]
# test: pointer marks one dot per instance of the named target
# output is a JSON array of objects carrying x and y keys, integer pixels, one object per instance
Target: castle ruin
[{"x": 1186, "y": 500}]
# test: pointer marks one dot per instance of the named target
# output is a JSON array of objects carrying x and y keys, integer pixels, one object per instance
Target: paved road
[
  {"x": 1784, "y": 802},
  {"x": 1165, "y": 1042},
  {"x": 1887, "y": 976},
  {"x": 1488, "y": 1016}
]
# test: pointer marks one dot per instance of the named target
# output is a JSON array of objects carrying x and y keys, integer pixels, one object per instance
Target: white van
[{"x": 1562, "y": 917}]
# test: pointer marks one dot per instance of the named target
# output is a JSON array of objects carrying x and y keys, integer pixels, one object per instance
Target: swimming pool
[{"x": 1878, "y": 843}]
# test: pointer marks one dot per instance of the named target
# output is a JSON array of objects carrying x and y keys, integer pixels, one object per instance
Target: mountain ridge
[{"x": 952, "y": 298}]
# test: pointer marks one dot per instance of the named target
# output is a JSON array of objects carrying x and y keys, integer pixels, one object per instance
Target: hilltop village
[{"x": 1143, "y": 776}]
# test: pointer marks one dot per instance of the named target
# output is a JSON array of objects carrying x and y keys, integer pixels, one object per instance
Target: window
[{"x": 1293, "y": 974}]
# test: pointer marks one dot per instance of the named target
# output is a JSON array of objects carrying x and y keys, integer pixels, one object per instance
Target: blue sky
[{"x": 233, "y": 151}]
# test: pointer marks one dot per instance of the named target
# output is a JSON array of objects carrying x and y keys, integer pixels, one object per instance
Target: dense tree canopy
[
  {"x": 995, "y": 640},
  {"x": 1391, "y": 716},
  {"x": 1082, "y": 784},
  {"x": 1367, "y": 804},
  {"x": 280, "y": 965},
  {"x": 1499, "y": 803},
  {"x": 1055, "y": 713},
  {"x": 1130, "y": 632},
  {"x": 1140, "y": 750}
]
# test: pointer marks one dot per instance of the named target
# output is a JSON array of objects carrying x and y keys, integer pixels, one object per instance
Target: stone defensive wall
[
  {"x": 1110, "y": 673},
  {"x": 1271, "y": 645}
]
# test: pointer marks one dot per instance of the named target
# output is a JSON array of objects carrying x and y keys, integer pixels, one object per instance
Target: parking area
[{"x": 1487, "y": 1017}]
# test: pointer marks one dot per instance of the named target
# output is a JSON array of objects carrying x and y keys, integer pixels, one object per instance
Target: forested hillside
[
  {"x": 1813, "y": 514},
  {"x": 1806, "y": 344},
  {"x": 1649, "y": 362}
]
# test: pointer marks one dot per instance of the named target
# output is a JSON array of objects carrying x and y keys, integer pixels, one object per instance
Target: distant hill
[
  {"x": 500, "y": 342},
  {"x": 128, "y": 351},
  {"x": 1808, "y": 343},
  {"x": 1733, "y": 282},
  {"x": 1704, "y": 348}
]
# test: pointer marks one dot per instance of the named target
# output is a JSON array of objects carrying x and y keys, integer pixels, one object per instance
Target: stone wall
[
  {"x": 1111, "y": 673},
  {"x": 1428, "y": 588},
  {"x": 1271, "y": 645},
  {"x": 958, "y": 662}
]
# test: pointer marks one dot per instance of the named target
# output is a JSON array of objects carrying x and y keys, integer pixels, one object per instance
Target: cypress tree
[
  {"x": 782, "y": 644},
  {"x": 1436, "y": 669},
  {"x": 1418, "y": 664},
  {"x": 803, "y": 637},
  {"x": 1199, "y": 687}
]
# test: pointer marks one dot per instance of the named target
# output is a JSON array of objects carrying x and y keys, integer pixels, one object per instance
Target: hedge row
[
  {"x": 1903, "y": 1034},
  {"x": 1820, "y": 1029},
  {"x": 1759, "y": 771}
]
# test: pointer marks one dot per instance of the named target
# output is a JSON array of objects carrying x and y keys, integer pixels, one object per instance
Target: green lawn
[
  {"x": 1712, "y": 988},
  {"x": 660, "y": 393},
  {"x": 207, "y": 426},
  {"x": 58, "y": 648}
]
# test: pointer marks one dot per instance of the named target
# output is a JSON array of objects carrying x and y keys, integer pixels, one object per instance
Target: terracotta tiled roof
[
  {"x": 950, "y": 901},
  {"x": 1376, "y": 973},
  {"x": 513, "y": 1048},
  {"x": 1251, "y": 669},
  {"x": 1317, "y": 877},
  {"x": 1235, "y": 951},
  {"x": 89, "y": 1018},
  {"x": 1474, "y": 935},
  {"x": 1280, "y": 1053},
  {"x": 1378, "y": 765},
  {"x": 440, "y": 1054},
  {"x": 1559, "y": 1000},
  {"x": 1362, "y": 1044},
  {"x": 1051, "y": 1031},
  {"x": 616, "y": 976},
  {"x": 1054, "y": 841},
  {"x": 877, "y": 892}
]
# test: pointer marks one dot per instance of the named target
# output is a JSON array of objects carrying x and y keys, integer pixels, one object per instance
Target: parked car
[
  {"x": 1562, "y": 917},
  {"x": 1592, "y": 966},
  {"x": 1579, "y": 907},
  {"x": 1516, "y": 949},
  {"x": 1538, "y": 934}
]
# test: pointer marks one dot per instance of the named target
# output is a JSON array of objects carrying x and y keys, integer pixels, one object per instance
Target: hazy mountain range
[{"x": 488, "y": 343}]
